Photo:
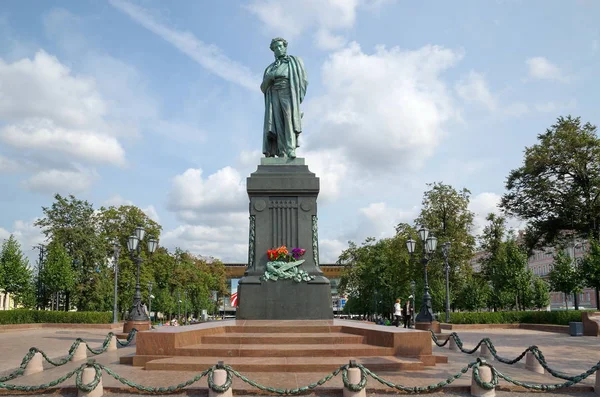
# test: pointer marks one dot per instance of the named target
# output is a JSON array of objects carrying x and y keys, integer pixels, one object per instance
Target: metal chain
[{"x": 298, "y": 390}]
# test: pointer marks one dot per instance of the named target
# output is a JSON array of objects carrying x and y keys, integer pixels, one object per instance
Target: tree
[
  {"x": 445, "y": 212},
  {"x": 564, "y": 276},
  {"x": 474, "y": 293},
  {"x": 590, "y": 267},
  {"x": 16, "y": 275},
  {"x": 540, "y": 293},
  {"x": 74, "y": 223},
  {"x": 57, "y": 274},
  {"x": 504, "y": 266},
  {"x": 557, "y": 188}
]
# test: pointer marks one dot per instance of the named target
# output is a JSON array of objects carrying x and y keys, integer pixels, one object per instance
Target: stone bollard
[
  {"x": 219, "y": 379},
  {"x": 485, "y": 373},
  {"x": 453, "y": 346},
  {"x": 484, "y": 352},
  {"x": 35, "y": 365},
  {"x": 112, "y": 345},
  {"x": 87, "y": 377},
  {"x": 80, "y": 352},
  {"x": 532, "y": 364},
  {"x": 354, "y": 376}
]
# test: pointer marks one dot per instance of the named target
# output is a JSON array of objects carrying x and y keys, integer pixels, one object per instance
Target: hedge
[
  {"x": 25, "y": 316},
  {"x": 528, "y": 317}
]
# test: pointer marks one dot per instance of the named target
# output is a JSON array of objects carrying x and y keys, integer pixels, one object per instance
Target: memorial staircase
[{"x": 283, "y": 346}]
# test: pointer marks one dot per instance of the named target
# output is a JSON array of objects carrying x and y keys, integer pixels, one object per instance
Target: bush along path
[
  {"x": 537, "y": 353},
  {"x": 33, "y": 350}
]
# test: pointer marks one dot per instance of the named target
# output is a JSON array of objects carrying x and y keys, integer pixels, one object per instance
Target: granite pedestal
[{"x": 283, "y": 211}]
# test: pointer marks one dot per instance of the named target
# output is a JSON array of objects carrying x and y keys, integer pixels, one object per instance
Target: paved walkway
[{"x": 572, "y": 355}]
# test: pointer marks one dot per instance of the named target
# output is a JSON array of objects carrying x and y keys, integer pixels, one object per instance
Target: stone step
[
  {"x": 290, "y": 326},
  {"x": 333, "y": 338},
  {"x": 285, "y": 350},
  {"x": 284, "y": 364}
]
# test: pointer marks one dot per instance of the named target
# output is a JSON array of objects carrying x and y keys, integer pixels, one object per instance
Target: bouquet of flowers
[
  {"x": 282, "y": 254},
  {"x": 283, "y": 264}
]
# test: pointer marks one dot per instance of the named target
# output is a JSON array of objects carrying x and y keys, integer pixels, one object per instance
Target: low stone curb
[
  {"x": 13, "y": 327},
  {"x": 561, "y": 329}
]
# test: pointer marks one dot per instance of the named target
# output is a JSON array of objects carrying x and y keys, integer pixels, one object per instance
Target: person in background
[
  {"x": 407, "y": 312},
  {"x": 397, "y": 312}
]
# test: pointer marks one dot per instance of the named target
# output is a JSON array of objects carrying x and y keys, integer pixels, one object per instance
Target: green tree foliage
[
  {"x": 376, "y": 273},
  {"x": 445, "y": 212},
  {"x": 540, "y": 293},
  {"x": 558, "y": 186},
  {"x": 565, "y": 277},
  {"x": 474, "y": 294},
  {"x": 590, "y": 266},
  {"x": 57, "y": 273},
  {"x": 505, "y": 266},
  {"x": 73, "y": 222},
  {"x": 15, "y": 275}
]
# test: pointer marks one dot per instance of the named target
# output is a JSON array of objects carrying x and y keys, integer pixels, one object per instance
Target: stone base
[
  {"x": 139, "y": 325},
  {"x": 284, "y": 299},
  {"x": 424, "y": 326}
]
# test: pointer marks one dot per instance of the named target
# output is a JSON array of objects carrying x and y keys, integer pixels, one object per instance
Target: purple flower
[{"x": 298, "y": 252}]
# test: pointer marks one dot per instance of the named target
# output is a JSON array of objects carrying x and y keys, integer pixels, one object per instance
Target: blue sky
[{"x": 157, "y": 104}]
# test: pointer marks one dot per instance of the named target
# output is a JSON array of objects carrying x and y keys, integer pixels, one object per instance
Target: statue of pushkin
[{"x": 284, "y": 85}]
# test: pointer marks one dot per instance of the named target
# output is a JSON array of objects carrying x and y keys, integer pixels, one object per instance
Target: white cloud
[
  {"x": 44, "y": 88},
  {"x": 28, "y": 237},
  {"x": 331, "y": 169},
  {"x": 151, "y": 213},
  {"x": 221, "y": 192},
  {"x": 385, "y": 110},
  {"x": 330, "y": 250},
  {"x": 326, "y": 40},
  {"x": 4, "y": 234},
  {"x": 8, "y": 165},
  {"x": 474, "y": 88},
  {"x": 516, "y": 109},
  {"x": 541, "y": 68},
  {"x": 44, "y": 134},
  {"x": 58, "y": 121},
  {"x": 116, "y": 201},
  {"x": 228, "y": 243},
  {"x": 555, "y": 107},
  {"x": 60, "y": 181},
  {"x": 382, "y": 219},
  {"x": 483, "y": 204},
  {"x": 208, "y": 56},
  {"x": 291, "y": 18}
]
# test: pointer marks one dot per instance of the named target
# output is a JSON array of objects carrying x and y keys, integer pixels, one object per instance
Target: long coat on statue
[{"x": 297, "y": 85}]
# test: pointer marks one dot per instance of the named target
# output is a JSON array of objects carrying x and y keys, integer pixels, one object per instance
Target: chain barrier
[
  {"x": 365, "y": 373},
  {"x": 536, "y": 351},
  {"x": 27, "y": 358}
]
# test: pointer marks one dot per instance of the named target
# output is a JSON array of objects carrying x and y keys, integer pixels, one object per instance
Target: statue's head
[{"x": 279, "y": 46}]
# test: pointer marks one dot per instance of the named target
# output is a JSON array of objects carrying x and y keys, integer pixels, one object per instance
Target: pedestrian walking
[{"x": 397, "y": 312}]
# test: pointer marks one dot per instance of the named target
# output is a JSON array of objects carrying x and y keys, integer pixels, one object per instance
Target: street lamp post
[
  {"x": 178, "y": 307},
  {"x": 116, "y": 253},
  {"x": 150, "y": 296},
  {"x": 446, "y": 253},
  {"x": 412, "y": 304},
  {"x": 185, "y": 313},
  {"x": 137, "y": 313},
  {"x": 429, "y": 245}
]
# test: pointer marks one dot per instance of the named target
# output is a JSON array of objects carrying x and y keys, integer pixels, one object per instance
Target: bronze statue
[{"x": 284, "y": 85}]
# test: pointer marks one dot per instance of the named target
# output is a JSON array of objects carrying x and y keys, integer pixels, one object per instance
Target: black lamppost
[
  {"x": 185, "y": 313},
  {"x": 446, "y": 253},
  {"x": 178, "y": 307},
  {"x": 116, "y": 253},
  {"x": 429, "y": 245},
  {"x": 412, "y": 304},
  {"x": 150, "y": 296},
  {"x": 137, "y": 312}
]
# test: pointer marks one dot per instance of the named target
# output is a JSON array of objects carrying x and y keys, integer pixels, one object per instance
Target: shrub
[
  {"x": 527, "y": 317},
  {"x": 25, "y": 316}
]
